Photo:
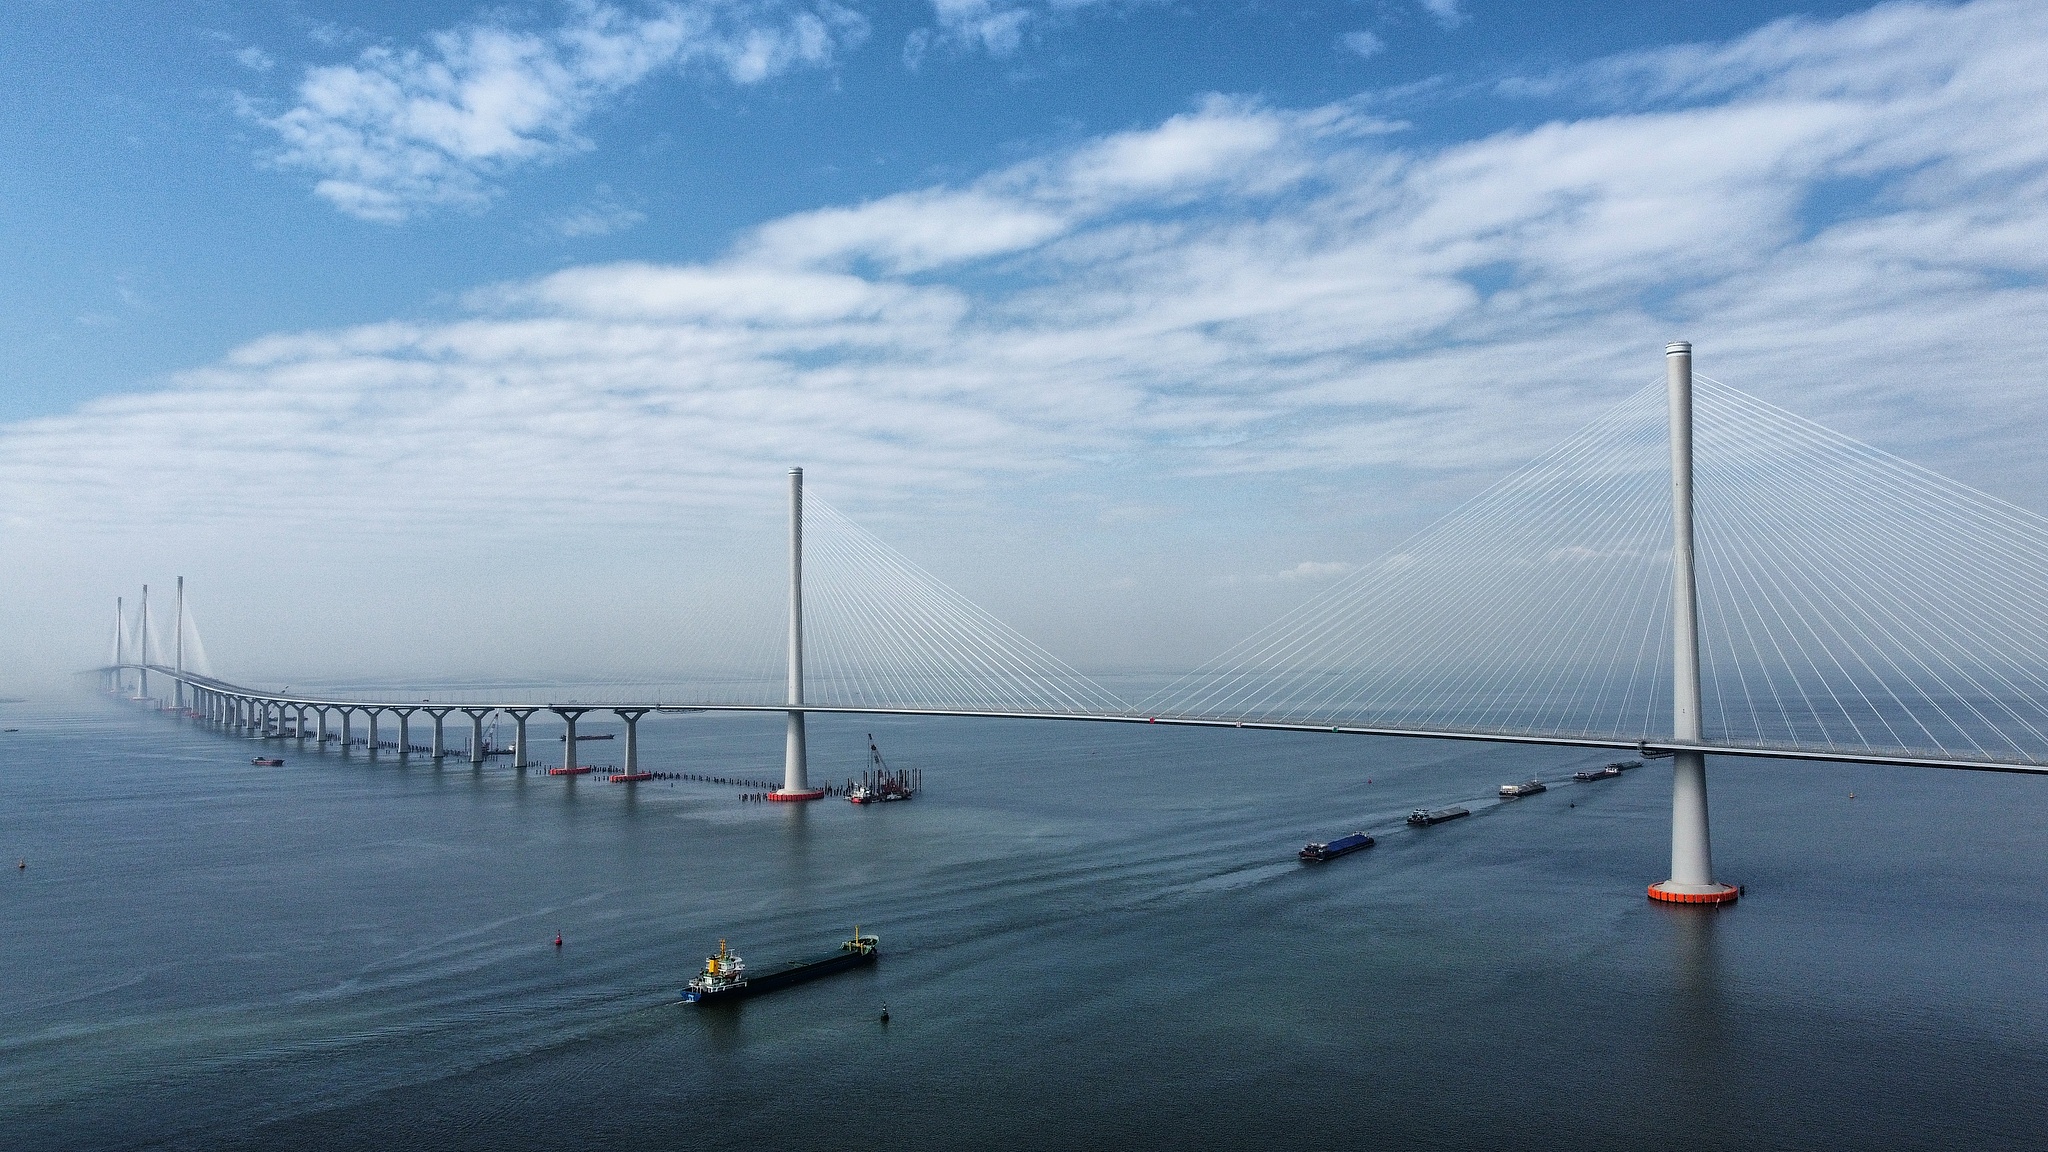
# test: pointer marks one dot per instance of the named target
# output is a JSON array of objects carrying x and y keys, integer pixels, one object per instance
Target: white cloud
[
  {"x": 255, "y": 59},
  {"x": 1226, "y": 149},
  {"x": 601, "y": 215},
  {"x": 1362, "y": 43},
  {"x": 1315, "y": 571},
  {"x": 1239, "y": 300},
  {"x": 404, "y": 129},
  {"x": 1446, "y": 12},
  {"x": 996, "y": 27}
]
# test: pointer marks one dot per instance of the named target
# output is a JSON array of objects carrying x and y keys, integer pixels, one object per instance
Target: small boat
[
  {"x": 1317, "y": 853},
  {"x": 1510, "y": 791},
  {"x": 266, "y": 761},
  {"x": 1424, "y": 817},
  {"x": 725, "y": 975},
  {"x": 1607, "y": 773}
]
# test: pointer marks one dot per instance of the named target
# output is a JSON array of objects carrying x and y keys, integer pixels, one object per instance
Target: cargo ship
[
  {"x": 1317, "y": 853},
  {"x": 1607, "y": 773},
  {"x": 1424, "y": 817},
  {"x": 1510, "y": 791},
  {"x": 725, "y": 975},
  {"x": 878, "y": 784}
]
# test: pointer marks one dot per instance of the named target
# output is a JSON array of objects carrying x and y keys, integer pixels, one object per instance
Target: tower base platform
[
  {"x": 812, "y": 794},
  {"x": 1694, "y": 893}
]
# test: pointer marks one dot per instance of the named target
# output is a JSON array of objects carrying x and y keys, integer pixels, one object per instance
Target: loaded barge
[
  {"x": 725, "y": 975},
  {"x": 1424, "y": 817},
  {"x": 1317, "y": 853}
]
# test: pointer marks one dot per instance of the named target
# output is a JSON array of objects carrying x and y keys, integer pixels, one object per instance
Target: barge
[
  {"x": 1510, "y": 791},
  {"x": 266, "y": 761},
  {"x": 1607, "y": 773},
  {"x": 1317, "y": 853},
  {"x": 1424, "y": 817},
  {"x": 725, "y": 975},
  {"x": 879, "y": 785}
]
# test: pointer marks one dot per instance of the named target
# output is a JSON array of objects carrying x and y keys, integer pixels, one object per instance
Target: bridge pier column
[
  {"x": 569, "y": 717},
  {"x": 440, "y": 748},
  {"x": 299, "y": 726},
  {"x": 632, "y": 718},
  {"x": 476, "y": 733},
  {"x": 519, "y": 748},
  {"x": 1692, "y": 854},
  {"x": 404, "y": 731},
  {"x": 373, "y": 729},
  {"x": 347, "y": 722},
  {"x": 320, "y": 725}
]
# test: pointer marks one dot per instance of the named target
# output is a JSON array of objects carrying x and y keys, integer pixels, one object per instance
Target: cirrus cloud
[{"x": 400, "y": 130}]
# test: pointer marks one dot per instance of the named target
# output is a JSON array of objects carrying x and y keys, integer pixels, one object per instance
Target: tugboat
[
  {"x": 1424, "y": 817},
  {"x": 725, "y": 975},
  {"x": 1510, "y": 791},
  {"x": 878, "y": 784},
  {"x": 1317, "y": 853}
]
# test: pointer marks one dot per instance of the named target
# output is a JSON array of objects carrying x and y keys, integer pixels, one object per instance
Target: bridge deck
[{"x": 1639, "y": 745}]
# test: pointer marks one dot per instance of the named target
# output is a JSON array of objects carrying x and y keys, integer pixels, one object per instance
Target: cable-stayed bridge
[{"x": 1696, "y": 573}]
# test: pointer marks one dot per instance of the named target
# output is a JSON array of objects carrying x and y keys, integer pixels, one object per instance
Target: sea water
[{"x": 1093, "y": 936}]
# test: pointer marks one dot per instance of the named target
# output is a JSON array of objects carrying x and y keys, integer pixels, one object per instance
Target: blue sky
[
  {"x": 154, "y": 229},
  {"x": 1127, "y": 318}
]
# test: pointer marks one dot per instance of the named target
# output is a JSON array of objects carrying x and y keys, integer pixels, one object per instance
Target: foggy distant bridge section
[{"x": 1697, "y": 572}]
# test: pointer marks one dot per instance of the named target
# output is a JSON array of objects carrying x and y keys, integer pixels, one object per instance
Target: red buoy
[{"x": 558, "y": 939}]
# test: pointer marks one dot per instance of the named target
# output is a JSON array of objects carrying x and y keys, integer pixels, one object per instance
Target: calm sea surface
[{"x": 1093, "y": 936}]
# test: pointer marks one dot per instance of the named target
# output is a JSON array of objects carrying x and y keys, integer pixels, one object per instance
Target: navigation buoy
[
  {"x": 558, "y": 939},
  {"x": 885, "y": 1013},
  {"x": 21, "y": 866}
]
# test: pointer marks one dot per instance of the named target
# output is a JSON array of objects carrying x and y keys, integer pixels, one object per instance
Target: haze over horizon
[{"x": 448, "y": 341}]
